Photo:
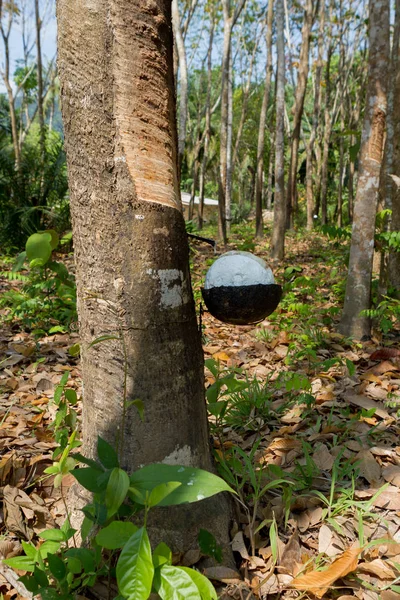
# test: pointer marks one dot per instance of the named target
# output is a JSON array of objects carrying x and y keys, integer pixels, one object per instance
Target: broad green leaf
[
  {"x": 74, "y": 565},
  {"x": 107, "y": 454},
  {"x": 64, "y": 378},
  {"x": 74, "y": 350},
  {"x": 135, "y": 568},
  {"x": 55, "y": 238},
  {"x": 55, "y": 535},
  {"x": 161, "y": 492},
  {"x": 89, "y": 478},
  {"x": 86, "y": 528},
  {"x": 85, "y": 556},
  {"x": 173, "y": 583},
  {"x": 53, "y": 469},
  {"x": 204, "y": 585},
  {"x": 139, "y": 405},
  {"x": 48, "y": 547},
  {"x": 115, "y": 535},
  {"x": 37, "y": 262},
  {"x": 116, "y": 491},
  {"x": 38, "y": 247},
  {"x": 49, "y": 593},
  {"x": 57, "y": 329},
  {"x": 24, "y": 563},
  {"x": 162, "y": 555},
  {"x": 196, "y": 483},
  {"x": 71, "y": 396},
  {"x": 89, "y": 462},
  {"x": 208, "y": 545},
  {"x": 212, "y": 366},
  {"x": 66, "y": 238},
  {"x": 29, "y": 550},
  {"x": 57, "y": 566},
  {"x": 30, "y": 583},
  {"x": 40, "y": 577},
  {"x": 217, "y": 408}
]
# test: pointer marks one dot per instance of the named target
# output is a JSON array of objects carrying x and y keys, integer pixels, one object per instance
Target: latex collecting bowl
[{"x": 240, "y": 289}]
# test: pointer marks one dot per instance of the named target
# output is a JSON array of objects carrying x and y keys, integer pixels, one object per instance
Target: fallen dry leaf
[
  {"x": 377, "y": 567},
  {"x": 238, "y": 545},
  {"x": 224, "y": 574},
  {"x": 323, "y": 458},
  {"x": 368, "y": 403},
  {"x": 221, "y": 356},
  {"x": 389, "y": 595},
  {"x": 385, "y": 354},
  {"x": 392, "y": 474},
  {"x": 368, "y": 467},
  {"x": 291, "y": 555},
  {"x": 318, "y": 582}
]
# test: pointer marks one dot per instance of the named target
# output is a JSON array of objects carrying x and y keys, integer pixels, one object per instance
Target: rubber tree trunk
[
  {"x": 131, "y": 251},
  {"x": 42, "y": 130},
  {"x": 207, "y": 125},
  {"x": 358, "y": 287},
  {"x": 224, "y": 126},
  {"x": 263, "y": 122},
  {"x": 278, "y": 231},
  {"x": 291, "y": 192},
  {"x": 245, "y": 100},
  {"x": 388, "y": 187},
  {"x": 315, "y": 120},
  {"x": 5, "y": 34},
  {"x": 394, "y": 257},
  {"x": 183, "y": 81},
  {"x": 229, "y": 138},
  {"x": 229, "y": 23}
]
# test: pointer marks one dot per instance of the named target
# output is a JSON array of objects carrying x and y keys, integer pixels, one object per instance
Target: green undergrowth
[{"x": 41, "y": 297}]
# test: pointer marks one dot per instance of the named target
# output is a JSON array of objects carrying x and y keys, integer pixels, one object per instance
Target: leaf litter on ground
[{"x": 322, "y": 419}]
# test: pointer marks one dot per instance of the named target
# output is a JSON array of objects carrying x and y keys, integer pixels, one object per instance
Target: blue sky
[{"x": 49, "y": 34}]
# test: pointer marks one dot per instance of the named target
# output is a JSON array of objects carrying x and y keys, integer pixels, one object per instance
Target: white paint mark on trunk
[
  {"x": 180, "y": 456},
  {"x": 173, "y": 292}
]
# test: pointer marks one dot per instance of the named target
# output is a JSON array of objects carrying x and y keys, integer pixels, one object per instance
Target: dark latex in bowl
[{"x": 242, "y": 305}]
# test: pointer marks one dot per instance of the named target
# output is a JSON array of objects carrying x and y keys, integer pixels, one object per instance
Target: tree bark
[
  {"x": 229, "y": 23},
  {"x": 291, "y": 192},
  {"x": 207, "y": 125},
  {"x": 263, "y": 121},
  {"x": 278, "y": 231},
  {"x": 183, "y": 81},
  {"x": 42, "y": 131},
  {"x": 5, "y": 34},
  {"x": 229, "y": 138},
  {"x": 358, "y": 287},
  {"x": 131, "y": 251},
  {"x": 315, "y": 121},
  {"x": 245, "y": 100},
  {"x": 388, "y": 188},
  {"x": 394, "y": 166}
]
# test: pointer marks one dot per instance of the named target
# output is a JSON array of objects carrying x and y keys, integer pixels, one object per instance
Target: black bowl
[{"x": 242, "y": 304}]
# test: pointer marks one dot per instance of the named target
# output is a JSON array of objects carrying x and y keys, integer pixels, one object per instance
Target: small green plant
[
  {"x": 237, "y": 403},
  {"x": 386, "y": 314},
  {"x": 248, "y": 477},
  {"x": 48, "y": 295},
  {"x": 265, "y": 335},
  {"x": 65, "y": 421},
  {"x": 114, "y": 545}
]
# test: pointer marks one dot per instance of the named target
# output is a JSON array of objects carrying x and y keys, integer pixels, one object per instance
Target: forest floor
[{"x": 304, "y": 424}]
